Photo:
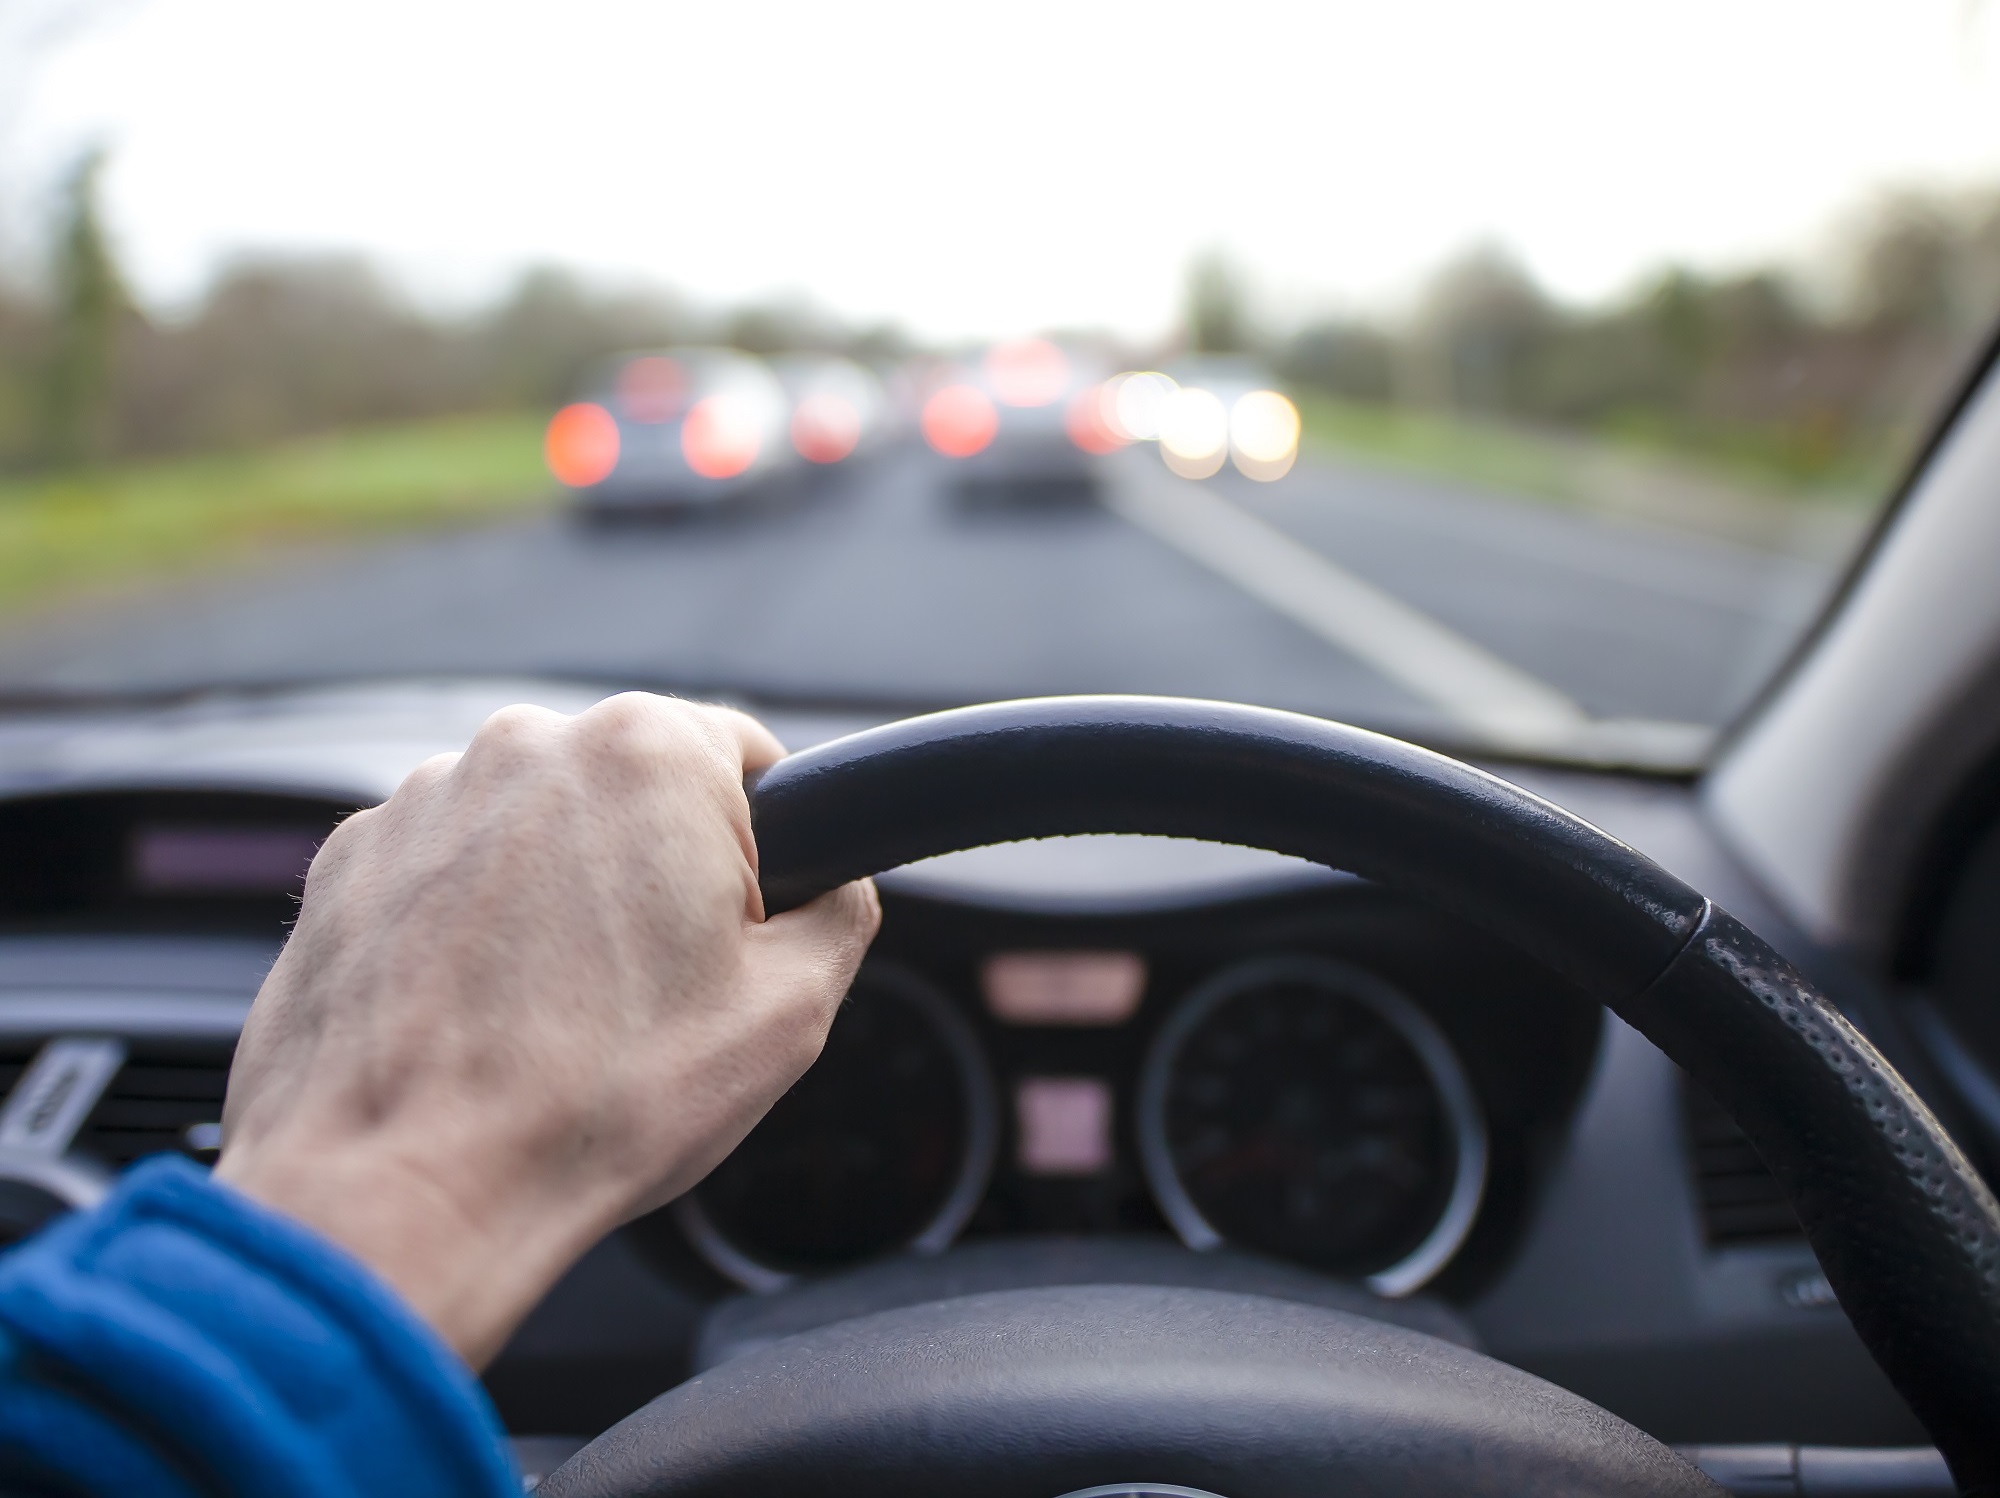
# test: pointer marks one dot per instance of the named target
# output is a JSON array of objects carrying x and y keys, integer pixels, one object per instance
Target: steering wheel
[{"x": 1044, "y": 1392}]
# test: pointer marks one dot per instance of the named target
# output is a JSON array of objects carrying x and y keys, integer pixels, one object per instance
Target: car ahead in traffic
[
  {"x": 672, "y": 430},
  {"x": 1022, "y": 423},
  {"x": 835, "y": 409}
]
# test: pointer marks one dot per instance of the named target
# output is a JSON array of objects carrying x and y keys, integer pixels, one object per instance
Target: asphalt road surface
[{"x": 1386, "y": 600}]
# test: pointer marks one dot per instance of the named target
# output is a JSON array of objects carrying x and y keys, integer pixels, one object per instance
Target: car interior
[
  {"x": 1239, "y": 1101},
  {"x": 1122, "y": 1059}
]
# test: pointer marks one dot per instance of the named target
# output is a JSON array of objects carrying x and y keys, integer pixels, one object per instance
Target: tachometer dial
[
  {"x": 885, "y": 1144},
  {"x": 1304, "y": 1108}
]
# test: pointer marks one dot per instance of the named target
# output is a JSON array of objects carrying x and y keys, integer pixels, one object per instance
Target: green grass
[
  {"x": 76, "y": 532},
  {"x": 1683, "y": 489},
  {"x": 1482, "y": 453}
]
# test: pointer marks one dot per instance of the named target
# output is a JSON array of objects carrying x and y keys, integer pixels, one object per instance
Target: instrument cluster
[{"x": 1336, "y": 1080}]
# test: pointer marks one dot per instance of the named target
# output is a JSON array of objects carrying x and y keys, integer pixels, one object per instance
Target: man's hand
[{"x": 531, "y": 995}]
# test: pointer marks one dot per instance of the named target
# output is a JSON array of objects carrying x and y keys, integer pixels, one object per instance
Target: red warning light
[
  {"x": 581, "y": 446},
  {"x": 959, "y": 421},
  {"x": 1087, "y": 423},
  {"x": 825, "y": 428},
  {"x": 719, "y": 438}
]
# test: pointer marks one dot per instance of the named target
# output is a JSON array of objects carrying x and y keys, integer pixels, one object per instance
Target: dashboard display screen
[
  {"x": 192, "y": 859},
  {"x": 1064, "y": 988},
  {"x": 1065, "y": 1125}
]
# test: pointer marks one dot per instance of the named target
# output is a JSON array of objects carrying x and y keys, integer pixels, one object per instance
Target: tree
[
  {"x": 90, "y": 306},
  {"x": 1481, "y": 324},
  {"x": 1217, "y": 320}
]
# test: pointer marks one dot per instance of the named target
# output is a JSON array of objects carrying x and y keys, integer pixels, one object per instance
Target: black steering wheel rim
[{"x": 1906, "y": 1231}]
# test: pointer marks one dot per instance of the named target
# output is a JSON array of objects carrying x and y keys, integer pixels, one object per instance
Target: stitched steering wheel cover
[
  {"x": 1904, "y": 1227},
  {"x": 1452, "y": 835},
  {"x": 1908, "y": 1234}
]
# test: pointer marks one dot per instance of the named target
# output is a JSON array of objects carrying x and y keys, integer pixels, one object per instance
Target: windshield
[{"x": 1520, "y": 379}]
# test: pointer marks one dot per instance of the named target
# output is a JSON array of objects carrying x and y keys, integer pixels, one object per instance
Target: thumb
[{"x": 815, "y": 949}]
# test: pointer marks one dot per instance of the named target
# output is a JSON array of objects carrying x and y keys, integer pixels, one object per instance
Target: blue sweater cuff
[{"x": 248, "y": 1352}]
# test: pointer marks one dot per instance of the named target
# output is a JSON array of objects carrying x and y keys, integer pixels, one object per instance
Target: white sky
[{"x": 998, "y": 166}]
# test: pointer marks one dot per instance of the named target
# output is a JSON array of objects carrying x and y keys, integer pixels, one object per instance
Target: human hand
[{"x": 531, "y": 995}]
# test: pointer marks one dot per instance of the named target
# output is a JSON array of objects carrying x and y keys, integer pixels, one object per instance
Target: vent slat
[
  {"x": 151, "y": 1102},
  {"x": 1740, "y": 1201}
]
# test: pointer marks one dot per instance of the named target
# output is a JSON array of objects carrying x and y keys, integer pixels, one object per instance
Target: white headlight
[
  {"x": 1135, "y": 408},
  {"x": 1194, "y": 432},
  {"x": 1264, "y": 434}
]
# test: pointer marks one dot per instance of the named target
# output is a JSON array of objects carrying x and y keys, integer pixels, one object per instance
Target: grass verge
[
  {"x": 74, "y": 532},
  {"x": 1638, "y": 481}
]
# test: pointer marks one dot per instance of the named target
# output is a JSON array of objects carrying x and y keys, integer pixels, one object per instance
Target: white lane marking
[{"x": 1506, "y": 706}]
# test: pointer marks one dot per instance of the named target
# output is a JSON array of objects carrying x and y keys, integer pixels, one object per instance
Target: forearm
[{"x": 180, "y": 1340}]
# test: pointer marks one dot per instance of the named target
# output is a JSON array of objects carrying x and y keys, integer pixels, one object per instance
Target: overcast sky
[{"x": 979, "y": 168}]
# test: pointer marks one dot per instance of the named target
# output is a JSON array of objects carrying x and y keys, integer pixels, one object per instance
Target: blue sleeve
[{"x": 182, "y": 1340}]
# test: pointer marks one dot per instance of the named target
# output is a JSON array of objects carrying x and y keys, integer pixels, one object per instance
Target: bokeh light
[
  {"x": 720, "y": 437},
  {"x": 959, "y": 421},
  {"x": 1194, "y": 432},
  {"x": 1136, "y": 408},
  {"x": 825, "y": 427},
  {"x": 1088, "y": 421},
  {"x": 1264, "y": 435},
  {"x": 652, "y": 391},
  {"x": 581, "y": 445},
  {"x": 1027, "y": 372}
]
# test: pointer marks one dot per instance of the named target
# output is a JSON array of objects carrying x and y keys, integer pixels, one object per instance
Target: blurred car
[
  {"x": 672, "y": 430},
  {"x": 1024, "y": 421},
  {"x": 836, "y": 409}
]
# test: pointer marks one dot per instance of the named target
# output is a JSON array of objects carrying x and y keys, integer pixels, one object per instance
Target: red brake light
[
  {"x": 719, "y": 439},
  {"x": 959, "y": 421},
  {"x": 825, "y": 428},
  {"x": 1087, "y": 423},
  {"x": 652, "y": 390},
  {"x": 1027, "y": 372},
  {"x": 581, "y": 446}
]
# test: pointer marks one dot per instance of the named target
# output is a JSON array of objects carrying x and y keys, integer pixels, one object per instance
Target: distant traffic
[{"x": 684, "y": 429}]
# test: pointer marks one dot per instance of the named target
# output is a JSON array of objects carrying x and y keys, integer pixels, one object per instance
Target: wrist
[{"x": 471, "y": 1256}]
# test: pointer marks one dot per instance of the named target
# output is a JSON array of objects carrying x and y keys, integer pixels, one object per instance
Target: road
[{"x": 1344, "y": 591}]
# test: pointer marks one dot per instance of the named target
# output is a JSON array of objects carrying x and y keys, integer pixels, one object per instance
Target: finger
[{"x": 756, "y": 746}]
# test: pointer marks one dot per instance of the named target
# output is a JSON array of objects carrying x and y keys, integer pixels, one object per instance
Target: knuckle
[
  {"x": 515, "y": 739},
  {"x": 630, "y": 711},
  {"x": 514, "y": 730},
  {"x": 425, "y": 777},
  {"x": 340, "y": 844},
  {"x": 635, "y": 731},
  {"x": 354, "y": 825}
]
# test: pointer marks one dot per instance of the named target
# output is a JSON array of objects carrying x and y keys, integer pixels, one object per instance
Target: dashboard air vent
[
  {"x": 14, "y": 1059},
  {"x": 1740, "y": 1202},
  {"x": 153, "y": 1102}
]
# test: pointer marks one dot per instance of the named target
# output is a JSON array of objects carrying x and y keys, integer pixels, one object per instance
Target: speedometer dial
[
  {"x": 885, "y": 1144},
  {"x": 1306, "y": 1109}
]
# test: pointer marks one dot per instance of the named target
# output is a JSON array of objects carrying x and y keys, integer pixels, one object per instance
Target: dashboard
[
  {"x": 1082, "y": 1060},
  {"x": 1328, "y": 1076}
]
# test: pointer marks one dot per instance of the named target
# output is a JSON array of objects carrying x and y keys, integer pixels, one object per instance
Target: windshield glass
[{"x": 1517, "y": 378}]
